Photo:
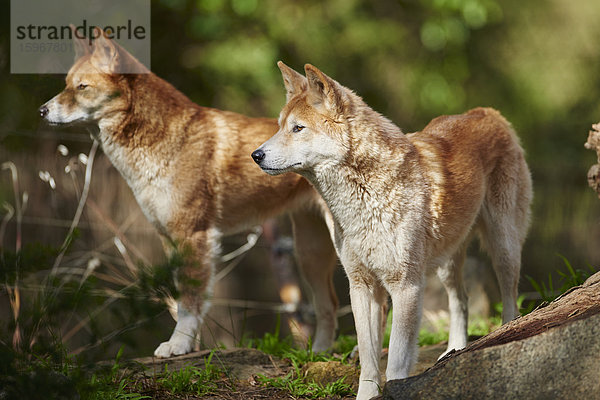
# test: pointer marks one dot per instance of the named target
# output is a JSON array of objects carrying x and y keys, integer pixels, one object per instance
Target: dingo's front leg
[
  {"x": 367, "y": 297},
  {"x": 317, "y": 261},
  {"x": 407, "y": 299},
  {"x": 194, "y": 279}
]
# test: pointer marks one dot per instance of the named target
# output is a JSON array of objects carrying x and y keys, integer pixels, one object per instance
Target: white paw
[
  {"x": 174, "y": 347},
  {"x": 367, "y": 390},
  {"x": 447, "y": 352}
]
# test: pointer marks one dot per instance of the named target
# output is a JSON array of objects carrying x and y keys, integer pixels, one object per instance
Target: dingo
[
  {"x": 402, "y": 203},
  {"x": 189, "y": 171}
]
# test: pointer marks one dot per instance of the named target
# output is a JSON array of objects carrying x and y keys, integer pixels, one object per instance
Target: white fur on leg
[
  {"x": 457, "y": 335},
  {"x": 457, "y": 338},
  {"x": 510, "y": 310},
  {"x": 406, "y": 318},
  {"x": 367, "y": 319},
  {"x": 451, "y": 275},
  {"x": 182, "y": 339}
]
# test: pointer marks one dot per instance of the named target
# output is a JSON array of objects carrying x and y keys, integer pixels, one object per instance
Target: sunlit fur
[
  {"x": 405, "y": 203},
  {"x": 189, "y": 169}
]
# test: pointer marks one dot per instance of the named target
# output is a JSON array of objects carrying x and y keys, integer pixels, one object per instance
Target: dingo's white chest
[{"x": 149, "y": 179}]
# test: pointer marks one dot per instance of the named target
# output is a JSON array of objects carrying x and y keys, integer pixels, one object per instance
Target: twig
[
  {"x": 117, "y": 231},
  {"x": 82, "y": 200},
  {"x": 113, "y": 334},
  {"x": 97, "y": 311},
  {"x": 123, "y": 251},
  {"x": 10, "y": 212},
  {"x": 251, "y": 240},
  {"x": 18, "y": 214},
  {"x": 14, "y": 294}
]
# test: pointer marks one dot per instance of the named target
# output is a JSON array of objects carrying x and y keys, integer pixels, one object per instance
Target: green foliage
[
  {"x": 411, "y": 60},
  {"x": 569, "y": 279},
  {"x": 193, "y": 380},
  {"x": 111, "y": 385},
  {"x": 427, "y": 337},
  {"x": 297, "y": 386},
  {"x": 37, "y": 364},
  {"x": 294, "y": 382},
  {"x": 24, "y": 378},
  {"x": 283, "y": 347},
  {"x": 43, "y": 377},
  {"x": 344, "y": 344}
]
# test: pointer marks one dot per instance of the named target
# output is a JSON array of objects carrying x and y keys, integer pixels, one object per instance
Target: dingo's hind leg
[
  {"x": 317, "y": 261},
  {"x": 451, "y": 275},
  {"x": 505, "y": 217}
]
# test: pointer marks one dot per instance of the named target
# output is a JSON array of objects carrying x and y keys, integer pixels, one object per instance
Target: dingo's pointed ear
[
  {"x": 294, "y": 82},
  {"x": 105, "y": 56},
  {"x": 322, "y": 89},
  {"x": 80, "y": 44}
]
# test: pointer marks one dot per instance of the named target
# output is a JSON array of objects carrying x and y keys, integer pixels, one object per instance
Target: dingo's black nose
[
  {"x": 44, "y": 111},
  {"x": 258, "y": 156}
]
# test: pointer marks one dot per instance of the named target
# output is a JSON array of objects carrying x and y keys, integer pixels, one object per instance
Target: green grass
[
  {"x": 568, "y": 279},
  {"x": 115, "y": 383},
  {"x": 294, "y": 382},
  {"x": 283, "y": 347},
  {"x": 298, "y": 386},
  {"x": 44, "y": 370},
  {"x": 193, "y": 380}
]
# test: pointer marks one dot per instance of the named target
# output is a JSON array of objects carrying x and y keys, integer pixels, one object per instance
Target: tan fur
[
  {"x": 189, "y": 169},
  {"x": 403, "y": 203}
]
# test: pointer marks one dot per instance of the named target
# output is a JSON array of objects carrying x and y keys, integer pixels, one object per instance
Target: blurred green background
[{"x": 536, "y": 61}]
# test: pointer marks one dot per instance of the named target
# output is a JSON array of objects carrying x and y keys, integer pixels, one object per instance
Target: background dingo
[{"x": 189, "y": 171}]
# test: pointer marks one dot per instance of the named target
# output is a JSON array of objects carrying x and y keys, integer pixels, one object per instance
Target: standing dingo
[
  {"x": 188, "y": 169},
  {"x": 403, "y": 203}
]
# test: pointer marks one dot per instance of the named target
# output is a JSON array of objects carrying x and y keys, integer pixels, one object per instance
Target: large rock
[{"x": 552, "y": 353}]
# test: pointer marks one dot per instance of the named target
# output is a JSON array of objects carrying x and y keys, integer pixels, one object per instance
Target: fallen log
[{"x": 551, "y": 353}]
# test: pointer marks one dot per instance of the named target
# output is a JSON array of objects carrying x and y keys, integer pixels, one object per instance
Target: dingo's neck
[
  {"x": 370, "y": 188},
  {"x": 143, "y": 140}
]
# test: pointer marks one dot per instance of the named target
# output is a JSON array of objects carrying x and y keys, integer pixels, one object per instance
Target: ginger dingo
[
  {"x": 189, "y": 171},
  {"x": 403, "y": 203}
]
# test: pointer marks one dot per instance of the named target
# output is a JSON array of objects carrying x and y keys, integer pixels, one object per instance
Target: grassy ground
[{"x": 281, "y": 371}]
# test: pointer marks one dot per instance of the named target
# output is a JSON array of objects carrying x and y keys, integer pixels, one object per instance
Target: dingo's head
[
  {"x": 94, "y": 84},
  {"x": 313, "y": 127}
]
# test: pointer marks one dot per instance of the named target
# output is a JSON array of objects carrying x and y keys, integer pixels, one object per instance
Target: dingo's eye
[
  {"x": 81, "y": 86},
  {"x": 297, "y": 128}
]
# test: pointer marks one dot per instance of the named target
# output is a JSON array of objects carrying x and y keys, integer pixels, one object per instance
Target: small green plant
[
  {"x": 296, "y": 385},
  {"x": 283, "y": 347},
  {"x": 191, "y": 379},
  {"x": 294, "y": 382},
  {"x": 344, "y": 345},
  {"x": 111, "y": 384},
  {"x": 106, "y": 390},
  {"x": 427, "y": 337},
  {"x": 571, "y": 278},
  {"x": 272, "y": 343}
]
